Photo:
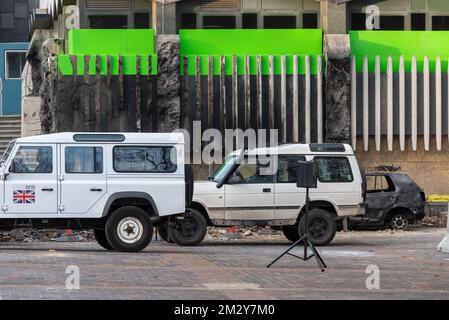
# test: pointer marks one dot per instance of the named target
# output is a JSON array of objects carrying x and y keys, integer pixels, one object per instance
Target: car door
[
  {"x": 31, "y": 181},
  {"x": 288, "y": 197},
  {"x": 13, "y": 61},
  {"x": 83, "y": 176},
  {"x": 380, "y": 195},
  {"x": 249, "y": 193}
]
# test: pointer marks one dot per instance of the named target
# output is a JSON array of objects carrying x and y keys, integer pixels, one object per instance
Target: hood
[{"x": 206, "y": 187}]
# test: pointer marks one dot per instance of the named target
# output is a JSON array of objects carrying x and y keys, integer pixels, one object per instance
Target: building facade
[{"x": 384, "y": 92}]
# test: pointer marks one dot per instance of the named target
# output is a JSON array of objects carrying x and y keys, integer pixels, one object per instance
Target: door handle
[
  {"x": 47, "y": 189},
  {"x": 96, "y": 189},
  {"x": 267, "y": 190}
]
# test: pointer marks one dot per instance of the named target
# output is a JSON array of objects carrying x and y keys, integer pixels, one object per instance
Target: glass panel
[
  {"x": 287, "y": 168},
  {"x": 310, "y": 20},
  {"x": 108, "y": 22},
  {"x": 141, "y": 20},
  {"x": 279, "y": 22},
  {"x": 249, "y": 21},
  {"x": 333, "y": 169},
  {"x": 253, "y": 171},
  {"x": 219, "y": 22},
  {"x": 33, "y": 160},
  {"x": 144, "y": 159},
  {"x": 15, "y": 61},
  {"x": 83, "y": 160},
  {"x": 188, "y": 21}
]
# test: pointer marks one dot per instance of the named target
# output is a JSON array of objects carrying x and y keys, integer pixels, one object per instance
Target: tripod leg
[
  {"x": 317, "y": 256},
  {"x": 285, "y": 252}
]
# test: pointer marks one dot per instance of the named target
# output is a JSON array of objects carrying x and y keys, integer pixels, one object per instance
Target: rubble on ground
[{"x": 32, "y": 235}]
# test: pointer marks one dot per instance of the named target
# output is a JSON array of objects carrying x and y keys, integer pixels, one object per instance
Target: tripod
[{"x": 305, "y": 242}]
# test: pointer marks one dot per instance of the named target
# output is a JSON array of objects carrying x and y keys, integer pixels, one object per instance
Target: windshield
[
  {"x": 7, "y": 152},
  {"x": 223, "y": 168}
]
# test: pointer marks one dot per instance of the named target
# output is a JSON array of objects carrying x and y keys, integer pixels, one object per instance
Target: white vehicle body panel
[
  {"x": 286, "y": 200},
  {"x": 85, "y": 195}
]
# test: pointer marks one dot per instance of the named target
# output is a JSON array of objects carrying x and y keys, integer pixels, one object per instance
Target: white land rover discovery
[
  {"x": 118, "y": 184},
  {"x": 247, "y": 195}
]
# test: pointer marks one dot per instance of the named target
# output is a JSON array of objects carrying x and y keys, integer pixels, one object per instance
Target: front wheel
[
  {"x": 291, "y": 233},
  {"x": 190, "y": 230},
  {"x": 129, "y": 229},
  {"x": 100, "y": 237},
  {"x": 322, "y": 227}
]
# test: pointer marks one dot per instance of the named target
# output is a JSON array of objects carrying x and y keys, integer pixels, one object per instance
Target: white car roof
[
  {"x": 106, "y": 137},
  {"x": 303, "y": 149}
]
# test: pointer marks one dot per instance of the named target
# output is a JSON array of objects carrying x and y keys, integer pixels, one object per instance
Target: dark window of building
[
  {"x": 249, "y": 21},
  {"x": 15, "y": 61},
  {"x": 108, "y": 22},
  {"x": 310, "y": 20},
  {"x": 84, "y": 160},
  {"x": 141, "y": 20},
  {"x": 219, "y": 22},
  {"x": 144, "y": 159},
  {"x": 279, "y": 22},
  {"x": 440, "y": 23},
  {"x": 391, "y": 22},
  {"x": 188, "y": 21},
  {"x": 358, "y": 21},
  {"x": 418, "y": 21}
]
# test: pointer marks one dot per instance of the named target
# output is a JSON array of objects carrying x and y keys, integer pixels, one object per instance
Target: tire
[
  {"x": 100, "y": 237},
  {"x": 189, "y": 231},
  {"x": 162, "y": 231},
  {"x": 322, "y": 227},
  {"x": 129, "y": 229},
  {"x": 291, "y": 233},
  {"x": 399, "y": 222}
]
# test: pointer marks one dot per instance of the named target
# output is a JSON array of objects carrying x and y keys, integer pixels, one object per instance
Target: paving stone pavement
[{"x": 409, "y": 264}]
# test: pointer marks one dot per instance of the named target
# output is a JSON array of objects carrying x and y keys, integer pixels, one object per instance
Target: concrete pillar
[
  {"x": 444, "y": 244},
  {"x": 333, "y": 16},
  {"x": 169, "y": 83},
  {"x": 338, "y": 88}
]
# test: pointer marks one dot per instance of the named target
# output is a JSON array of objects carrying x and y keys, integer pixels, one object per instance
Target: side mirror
[{"x": 234, "y": 180}]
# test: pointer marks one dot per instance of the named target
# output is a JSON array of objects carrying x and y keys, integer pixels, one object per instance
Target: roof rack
[{"x": 327, "y": 147}]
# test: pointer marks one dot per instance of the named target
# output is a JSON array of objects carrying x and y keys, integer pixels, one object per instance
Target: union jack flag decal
[{"x": 24, "y": 196}]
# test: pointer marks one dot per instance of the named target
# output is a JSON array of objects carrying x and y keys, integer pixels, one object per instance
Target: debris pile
[
  {"x": 32, "y": 235},
  {"x": 437, "y": 221},
  {"x": 234, "y": 233}
]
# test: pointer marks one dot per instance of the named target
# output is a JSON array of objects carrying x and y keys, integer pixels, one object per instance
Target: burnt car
[{"x": 392, "y": 200}]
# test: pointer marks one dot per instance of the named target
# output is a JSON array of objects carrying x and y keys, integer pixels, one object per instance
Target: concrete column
[
  {"x": 338, "y": 88},
  {"x": 333, "y": 16},
  {"x": 169, "y": 83}
]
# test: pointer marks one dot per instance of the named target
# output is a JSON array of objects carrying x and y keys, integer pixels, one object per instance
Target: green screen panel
[
  {"x": 129, "y": 64},
  {"x": 242, "y": 43},
  {"x": 400, "y": 43}
]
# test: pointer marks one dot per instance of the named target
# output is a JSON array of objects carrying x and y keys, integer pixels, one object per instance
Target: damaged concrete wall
[
  {"x": 106, "y": 102},
  {"x": 169, "y": 82},
  {"x": 338, "y": 88}
]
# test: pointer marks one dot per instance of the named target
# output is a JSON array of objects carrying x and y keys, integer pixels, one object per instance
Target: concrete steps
[{"x": 10, "y": 128}]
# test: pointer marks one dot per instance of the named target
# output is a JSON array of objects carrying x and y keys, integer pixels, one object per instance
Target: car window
[
  {"x": 152, "y": 159},
  {"x": 334, "y": 169},
  {"x": 379, "y": 184},
  {"x": 84, "y": 160},
  {"x": 287, "y": 168},
  {"x": 254, "y": 171},
  {"x": 33, "y": 159}
]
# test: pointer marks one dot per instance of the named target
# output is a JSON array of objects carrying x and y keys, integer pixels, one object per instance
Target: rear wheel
[
  {"x": 291, "y": 233},
  {"x": 100, "y": 237},
  {"x": 129, "y": 229},
  {"x": 190, "y": 230},
  {"x": 322, "y": 227},
  {"x": 399, "y": 222}
]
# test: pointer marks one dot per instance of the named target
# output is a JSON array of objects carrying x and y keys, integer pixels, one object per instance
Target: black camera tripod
[{"x": 305, "y": 242}]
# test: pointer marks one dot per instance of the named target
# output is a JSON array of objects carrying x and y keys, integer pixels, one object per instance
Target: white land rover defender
[
  {"x": 118, "y": 184},
  {"x": 248, "y": 195}
]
